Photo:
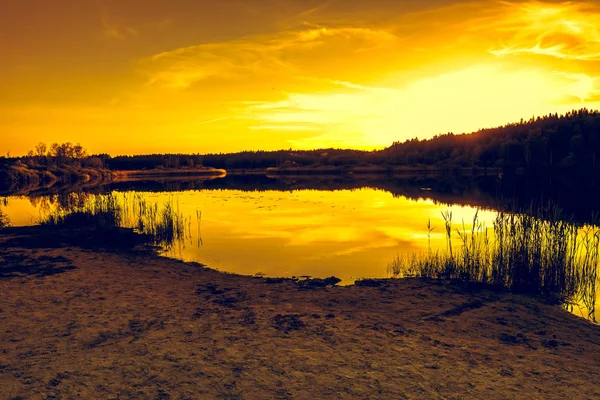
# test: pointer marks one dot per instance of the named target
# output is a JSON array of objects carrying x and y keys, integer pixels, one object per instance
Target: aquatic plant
[
  {"x": 98, "y": 212},
  {"x": 163, "y": 224},
  {"x": 535, "y": 252},
  {"x": 4, "y": 221}
]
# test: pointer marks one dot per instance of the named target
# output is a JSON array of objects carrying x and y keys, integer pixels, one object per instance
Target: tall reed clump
[
  {"x": 163, "y": 224},
  {"x": 534, "y": 252},
  {"x": 4, "y": 221},
  {"x": 98, "y": 212}
]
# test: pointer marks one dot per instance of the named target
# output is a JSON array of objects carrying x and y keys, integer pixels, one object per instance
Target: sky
[{"x": 201, "y": 76}]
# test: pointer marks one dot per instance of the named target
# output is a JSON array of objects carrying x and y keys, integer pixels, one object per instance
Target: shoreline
[
  {"x": 29, "y": 180},
  {"x": 127, "y": 175},
  {"x": 93, "y": 323},
  {"x": 39, "y": 181},
  {"x": 379, "y": 170},
  {"x": 375, "y": 170}
]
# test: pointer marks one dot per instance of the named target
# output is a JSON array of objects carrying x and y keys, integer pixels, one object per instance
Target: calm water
[{"x": 348, "y": 233}]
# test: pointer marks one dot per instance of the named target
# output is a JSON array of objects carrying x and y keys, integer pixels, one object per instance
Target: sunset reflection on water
[
  {"x": 347, "y": 233},
  {"x": 350, "y": 234}
]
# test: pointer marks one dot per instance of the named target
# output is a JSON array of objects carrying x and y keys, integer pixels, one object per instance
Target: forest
[{"x": 569, "y": 142}]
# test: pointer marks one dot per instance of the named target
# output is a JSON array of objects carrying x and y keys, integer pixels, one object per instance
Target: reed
[
  {"x": 164, "y": 224},
  {"x": 4, "y": 221},
  {"x": 98, "y": 212},
  {"x": 537, "y": 252}
]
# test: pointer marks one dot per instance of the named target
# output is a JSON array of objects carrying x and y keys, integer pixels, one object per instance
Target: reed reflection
[
  {"x": 4, "y": 220},
  {"x": 539, "y": 252},
  {"x": 348, "y": 233},
  {"x": 163, "y": 224},
  {"x": 509, "y": 193}
]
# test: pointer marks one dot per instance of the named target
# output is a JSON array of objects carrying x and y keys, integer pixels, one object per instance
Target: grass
[
  {"x": 538, "y": 252},
  {"x": 162, "y": 223}
]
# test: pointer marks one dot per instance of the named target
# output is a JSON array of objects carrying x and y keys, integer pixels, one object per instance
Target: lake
[{"x": 298, "y": 227}]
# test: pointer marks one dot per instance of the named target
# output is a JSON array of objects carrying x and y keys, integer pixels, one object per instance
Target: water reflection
[
  {"x": 575, "y": 197},
  {"x": 4, "y": 220},
  {"x": 294, "y": 227},
  {"x": 534, "y": 253},
  {"x": 347, "y": 233}
]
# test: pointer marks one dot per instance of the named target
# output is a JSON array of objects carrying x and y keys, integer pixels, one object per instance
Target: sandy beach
[{"x": 99, "y": 324}]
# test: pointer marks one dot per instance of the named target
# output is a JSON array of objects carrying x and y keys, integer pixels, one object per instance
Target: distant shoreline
[
  {"x": 21, "y": 179},
  {"x": 375, "y": 169},
  {"x": 168, "y": 172},
  {"x": 360, "y": 170}
]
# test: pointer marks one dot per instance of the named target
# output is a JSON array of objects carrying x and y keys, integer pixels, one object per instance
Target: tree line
[
  {"x": 58, "y": 154},
  {"x": 570, "y": 141},
  {"x": 553, "y": 142}
]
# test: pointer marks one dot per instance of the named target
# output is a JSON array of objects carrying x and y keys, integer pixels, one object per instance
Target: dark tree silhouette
[{"x": 541, "y": 145}]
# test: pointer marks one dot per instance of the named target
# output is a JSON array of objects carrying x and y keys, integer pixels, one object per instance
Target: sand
[{"x": 95, "y": 324}]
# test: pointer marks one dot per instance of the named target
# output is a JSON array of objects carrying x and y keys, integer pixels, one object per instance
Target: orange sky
[{"x": 139, "y": 76}]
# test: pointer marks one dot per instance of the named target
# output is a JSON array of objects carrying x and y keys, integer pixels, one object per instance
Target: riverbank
[
  {"x": 20, "y": 179},
  {"x": 165, "y": 173},
  {"x": 90, "y": 323}
]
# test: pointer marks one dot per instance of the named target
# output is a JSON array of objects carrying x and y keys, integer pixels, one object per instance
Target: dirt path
[{"x": 88, "y": 324}]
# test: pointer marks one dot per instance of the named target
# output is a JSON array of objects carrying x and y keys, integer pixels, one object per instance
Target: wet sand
[{"x": 85, "y": 323}]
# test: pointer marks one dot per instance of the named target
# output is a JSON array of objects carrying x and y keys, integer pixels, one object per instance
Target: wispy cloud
[
  {"x": 281, "y": 53},
  {"x": 343, "y": 84},
  {"x": 281, "y": 127},
  {"x": 211, "y": 121},
  {"x": 360, "y": 114},
  {"x": 566, "y": 30},
  {"x": 112, "y": 31},
  {"x": 307, "y": 13},
  {"x": 349, "y": 74}
]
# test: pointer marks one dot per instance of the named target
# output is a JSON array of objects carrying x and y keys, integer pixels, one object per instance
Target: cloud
[
  {"x": 581, "y": 86},
  {"x": 459, "y": 101},
  {"x": 349, "y": 74},
  {"x": 112, "y": 31},
  {"x": 566, "y": 30},
  {"x": 284, "y": 53},
  {"x": 303, "y": 128},
  {"x": 213, "y": 120},
  {"x": 343, "y": 84}
]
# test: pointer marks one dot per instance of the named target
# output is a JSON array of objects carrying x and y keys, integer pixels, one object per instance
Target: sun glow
[
  {"x": 302, "y": 77},
  {"x": 567, "y": 30},
  {"x": 461, "y": 101}
]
